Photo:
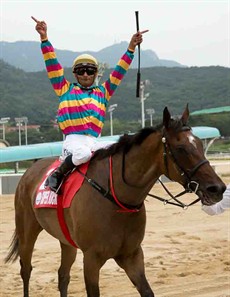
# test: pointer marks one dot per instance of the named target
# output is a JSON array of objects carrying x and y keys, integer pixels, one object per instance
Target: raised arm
[
  {"x": 41, "y": 28},
  {"x": 136, "y": 39},
  {"x": 122, "y": 66},
  {"x": 54, "y": 69}
]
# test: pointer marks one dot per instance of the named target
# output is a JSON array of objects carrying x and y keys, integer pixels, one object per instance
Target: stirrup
[
  {"x": 59, "y": 187},
  {"x": 55, "y": 190}
]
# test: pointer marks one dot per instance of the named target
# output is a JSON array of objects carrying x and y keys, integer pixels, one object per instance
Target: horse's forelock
[{"x": 178, "y": 125}]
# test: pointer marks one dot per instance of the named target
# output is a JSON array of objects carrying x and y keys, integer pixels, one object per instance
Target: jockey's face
[{"x": 86, "y": 76}]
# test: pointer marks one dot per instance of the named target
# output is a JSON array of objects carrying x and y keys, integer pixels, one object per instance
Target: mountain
[
  {"x": 26, "y": 55},
  {"x": 31, "y": 95}
]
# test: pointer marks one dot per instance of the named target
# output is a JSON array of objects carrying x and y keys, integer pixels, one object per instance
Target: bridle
[
  {"x": 188, "y": 174},
  {"x": 167, "y": 152},
  {"x": 190, "y": 185}
]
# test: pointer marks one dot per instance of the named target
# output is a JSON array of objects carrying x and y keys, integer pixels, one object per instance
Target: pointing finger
[
  {"x": 142, "y": 32},
  {"x": 33, "y": 18}
]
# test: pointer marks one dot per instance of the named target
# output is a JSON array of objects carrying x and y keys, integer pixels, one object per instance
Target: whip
[{"x": 139, "y": 58}]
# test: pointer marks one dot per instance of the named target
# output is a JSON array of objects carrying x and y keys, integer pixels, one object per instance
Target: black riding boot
[{"x": 55, "y": 179}]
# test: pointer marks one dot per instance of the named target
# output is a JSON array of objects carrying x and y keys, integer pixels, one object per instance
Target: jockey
[
  {"x": 82, "y": 105},
  {"x": 220, "y": 206}
]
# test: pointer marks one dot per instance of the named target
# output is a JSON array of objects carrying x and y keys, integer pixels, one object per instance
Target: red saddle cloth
[{"x": 48, "y": 199}]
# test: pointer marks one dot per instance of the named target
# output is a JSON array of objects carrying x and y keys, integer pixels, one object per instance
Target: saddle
[{"x": 46, "y": 198}]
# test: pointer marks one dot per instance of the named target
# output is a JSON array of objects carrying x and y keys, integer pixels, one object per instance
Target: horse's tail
[{"x": 13, "y": 252}]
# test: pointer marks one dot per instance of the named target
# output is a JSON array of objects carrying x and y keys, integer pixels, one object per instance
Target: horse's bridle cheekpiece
[{"x": 190, "y": 185}]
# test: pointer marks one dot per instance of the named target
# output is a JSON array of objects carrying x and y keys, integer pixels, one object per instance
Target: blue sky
[{"x": 193, "y": 33}]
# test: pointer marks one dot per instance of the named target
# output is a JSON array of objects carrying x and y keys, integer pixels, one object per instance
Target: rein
[
  {"x": 111, "y": 196},
  {"x": 110, "y": 193},
  {"x": 177, "y": 202},
  {"x": 188, "y": 174}
]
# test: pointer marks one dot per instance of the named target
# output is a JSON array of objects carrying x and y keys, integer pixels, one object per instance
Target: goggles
[{"x": 82, "y": 70}]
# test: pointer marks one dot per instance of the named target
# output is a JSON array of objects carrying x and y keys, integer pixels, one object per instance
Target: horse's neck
[
  {"x": 143, "y": 163},
  {"x": 142, "y": 167}
]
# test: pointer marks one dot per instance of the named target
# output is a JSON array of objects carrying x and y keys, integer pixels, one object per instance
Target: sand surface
[{"x": 187, "y": 254}]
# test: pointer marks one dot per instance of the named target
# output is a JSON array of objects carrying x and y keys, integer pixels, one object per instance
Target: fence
[{"x": 9, "y": 181}]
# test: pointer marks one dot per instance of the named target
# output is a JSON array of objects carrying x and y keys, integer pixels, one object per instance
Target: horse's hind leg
[
  {"x": 27, "y": 229},
  {"x": 134, "y": 267},
  {"x": 68, "y": 256}
]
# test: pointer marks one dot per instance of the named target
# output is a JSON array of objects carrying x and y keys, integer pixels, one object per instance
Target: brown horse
[{"x": 95, "y": 224}]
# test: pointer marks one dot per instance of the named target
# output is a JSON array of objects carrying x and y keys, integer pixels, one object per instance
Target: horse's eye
[{"x": 181, "y": 150}]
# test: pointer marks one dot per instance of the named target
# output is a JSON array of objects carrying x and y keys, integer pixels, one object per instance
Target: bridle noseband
[
  {"x": 188, "y": 174},
  {"x": 190, "y": 185}
]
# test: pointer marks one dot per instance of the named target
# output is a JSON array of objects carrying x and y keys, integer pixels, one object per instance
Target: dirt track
[{"x": 186, "y": 255}]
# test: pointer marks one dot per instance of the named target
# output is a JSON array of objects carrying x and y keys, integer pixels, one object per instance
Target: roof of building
[
  {"x": 211, "y": 110},
  {"x": 204, "y": 132}
]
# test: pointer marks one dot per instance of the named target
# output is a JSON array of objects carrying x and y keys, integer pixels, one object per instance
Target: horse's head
[{"x": 185, "y": 162}]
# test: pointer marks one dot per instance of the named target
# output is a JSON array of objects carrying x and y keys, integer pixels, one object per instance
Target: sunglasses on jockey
[{"x": 81, "y": 70}]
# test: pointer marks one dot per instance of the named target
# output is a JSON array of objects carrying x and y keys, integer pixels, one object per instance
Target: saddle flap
[{"x": 71, "y": 185}]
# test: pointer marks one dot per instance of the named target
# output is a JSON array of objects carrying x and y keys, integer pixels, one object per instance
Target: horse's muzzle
[{"x": 211, "y": 194}]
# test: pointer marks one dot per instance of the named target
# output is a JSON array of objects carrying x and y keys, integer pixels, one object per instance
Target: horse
[{"x": 103, "y": 230}]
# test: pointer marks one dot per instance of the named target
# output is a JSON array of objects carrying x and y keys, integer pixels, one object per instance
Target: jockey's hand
[
  {"x": 41, "y": 28},
  {"x": 136, "y": 39}
]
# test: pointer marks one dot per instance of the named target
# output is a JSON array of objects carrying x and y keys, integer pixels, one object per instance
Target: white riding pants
[{"x": 81, "y": 147}]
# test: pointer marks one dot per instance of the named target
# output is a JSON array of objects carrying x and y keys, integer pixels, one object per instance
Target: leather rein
[
  {"x": 110, "y": 192},
  {"x": 187, "y": 174}
]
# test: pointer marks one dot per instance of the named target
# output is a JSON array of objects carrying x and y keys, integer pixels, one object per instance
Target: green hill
[{"x": 31, "y": 95}]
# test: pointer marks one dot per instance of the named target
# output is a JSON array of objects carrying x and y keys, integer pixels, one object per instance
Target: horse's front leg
[
  {"x": 134, "y": 267},
  {"x": 92, "y": 265},
  {"x": 68, "y": 256}
]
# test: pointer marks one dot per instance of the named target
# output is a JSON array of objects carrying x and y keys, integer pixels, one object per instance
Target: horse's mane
[{"x": 127, "y": 141}]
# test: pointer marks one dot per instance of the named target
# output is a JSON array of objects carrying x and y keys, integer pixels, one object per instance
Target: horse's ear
[
  {"x": 166, "y": 117},
  {"x": 185, "y": 115}
]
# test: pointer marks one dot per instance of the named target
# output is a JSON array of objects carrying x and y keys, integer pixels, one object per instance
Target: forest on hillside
[{"x": 31, "y": 95}]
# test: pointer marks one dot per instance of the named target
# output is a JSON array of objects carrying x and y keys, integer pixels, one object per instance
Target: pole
[
  {"x": 150, "y": 112},
  {"x": 142, "y": 105},
  {"x": 151, "y": 120},
  {"x": 110, "y": 110},
  {"x": 3, "y": 132},
  {"x": 111, "y": 123},
  {"x": 19, "y": 133},
  {"x": 25, "y": 121},
  {"x": 4, "y": 121}
]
